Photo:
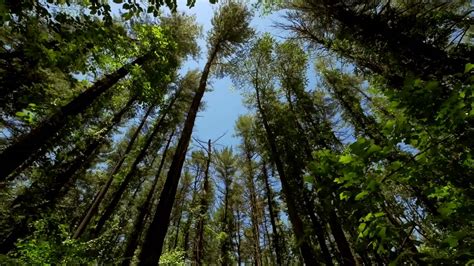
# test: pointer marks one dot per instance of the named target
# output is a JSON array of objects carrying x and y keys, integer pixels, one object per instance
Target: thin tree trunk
[
  {"x": 340, "y": 238},
  {"x": 266, "y": 240},
  {"x": 253, "y": 205},
  {"x": 276, "y": 236},
  {"x": 203, "y": 208},
  {"x": 153, "y": 245},
  {"x": 103, "y": 191},
  {"x": 190, "y": 217},
  {"x": 226, "y": 245},
  {"x": 132, "y": 242},
  {"x": 34, "y": 143},
  {"x": 131, "y": 173},
  {"x": 176, "y": 239},
  {"x": 239, "y": 255},
  {"x": 180, "y": 214},
  {"x": 318, "y": 228}
]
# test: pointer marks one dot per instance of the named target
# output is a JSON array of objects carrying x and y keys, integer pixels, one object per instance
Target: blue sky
[{"x": 223, "y": 103}]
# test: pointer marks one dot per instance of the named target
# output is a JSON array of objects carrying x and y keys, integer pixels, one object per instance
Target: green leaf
[
  {"x": 447, "y": 208},
  {"x": 21, "y": 114},
  {"x": 127, "y": 15},
  {"x": 469, "y": 67},
  {"x": 373, "y": 148},
  {"x": 380, "y": 249},
  {"x": 368, "y": 217},
  {"x": 345, "y": 159},
  {"x": 361, "y": 195},
  {"x": 343, "y": 196},
  {"x": 452, "y": 241},
  {"x": 362, "y": 227},
  {"x": 308, "y": 179},
  {"x": 432, "y": 85},
  {"x": 383, "y": 232},
  {"x": 117, "y": 1},
  {"x": 379, "y": 214}
]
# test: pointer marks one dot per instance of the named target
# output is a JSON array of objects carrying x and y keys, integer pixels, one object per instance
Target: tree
[
  {"x": 248, "y": 149},
  {"x": 225, "y": 167},
  {"x": 230, "y": 30},
  {"x": 356, "y": 148},
  {"x": 203, "y": 208},
  {"x": 259, "y": 77}
]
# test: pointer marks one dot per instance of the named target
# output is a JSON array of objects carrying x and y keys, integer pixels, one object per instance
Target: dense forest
[{"x": 370, "y": 164}]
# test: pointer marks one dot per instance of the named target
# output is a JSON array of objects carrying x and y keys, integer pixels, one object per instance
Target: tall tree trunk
[
  {"x": 182, "y": 196},
  {"x": 266, "y": 260},
  {"x": 276, "y": 236},
  {"x": 253, "y": 206},
  {"x": 302, "y": 239},
  {"x": 239, "y": 241},
  {"x": 133, "y": 169},
  {"x": 103, "y": 191},
  {"x": 34, "y": 143},
  {"x": 318, "y": 227},
  {"x": 176, "y": 239},
  {"x": 340, "y": 238},
  {"x": 26, "y": 205},
  {"x": 144, "y": 210},
  {"x": 153, "y": 245},
  {"x": 226, "y": 227},
  {"x": 203, "y": 208},
  {"x": 190, "y": 218}
]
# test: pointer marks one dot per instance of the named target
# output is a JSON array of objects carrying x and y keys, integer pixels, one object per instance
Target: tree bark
[{"x": 178, "y": 224}]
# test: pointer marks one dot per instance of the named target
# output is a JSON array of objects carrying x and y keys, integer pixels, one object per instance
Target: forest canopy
[{"x": 356, "y": 148}]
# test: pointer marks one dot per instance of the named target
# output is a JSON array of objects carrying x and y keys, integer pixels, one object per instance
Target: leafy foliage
[{"x": 356, "y": 150}]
